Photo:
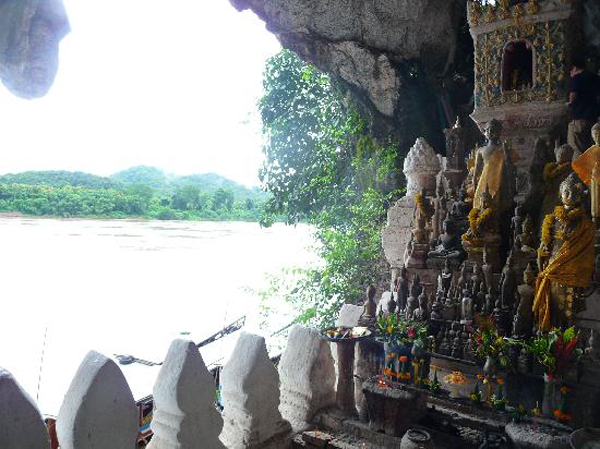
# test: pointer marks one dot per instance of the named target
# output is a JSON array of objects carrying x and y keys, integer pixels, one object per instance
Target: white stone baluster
[
  {"x": 21, "y": 425},
  {"x": 250, "y": 394},
  {"x": 184, "y": 397},
  {"x": 98, "y": 411},
  {"x": 307, "y": 375}
]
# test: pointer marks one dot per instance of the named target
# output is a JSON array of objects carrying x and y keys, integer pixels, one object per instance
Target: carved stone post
[
  {"x": 250, "y": 394},
  {"x": 98, "y": 411},
  {"x": 307, "y": 377},
  {"x": 21, "y": 425},
  {"x": 184, "y": 396}
]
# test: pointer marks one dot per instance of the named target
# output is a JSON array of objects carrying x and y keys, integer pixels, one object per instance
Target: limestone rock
[
  {"x": 349, "y": 315},
  {"x": 396, "y": 234},
  {"x": 307, "y": 377},
  {"x": 366, "y": 44},
  {"x": 30, "y": 32},
  {"x": 98, "y": 411},
  {"x": 250, "y": 395},
  {"x": 21, "y": 425},
  {"x": 184, "y": 396}
]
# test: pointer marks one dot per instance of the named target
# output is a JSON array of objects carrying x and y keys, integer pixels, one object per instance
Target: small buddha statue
[
  {"x": 449, "y": 309},
  {"x": 413, "y": 299},
  {"x": 469, "y": 349},
  {"x": 508, "y": 283},
  {"x": 418, "y": 247},
  {"x": 479, "y": 300},
  {"x": 445, "y": 348},
  {"x": 422, "y": 312},
  {"x": 403, "y": 288},
  {"x": 553, "y": 175},
  {"x": 482, "y": 222},
  {"x": 463, "y": 278},
  {"x": 461, "y": 208},
  {"x": 565, "y": 259},
  {"x": 525, "y": 241},
  {"x": 475, "y": 277},
  {"x": 486, "y": 268},
  {"x": 448, "y": 246},
  {"x": 424, "y": 207},
  {"x": 457, "y": 347},
  {"x": 437, "y": 309},
  {"x": 446, "y": 277},
  {"x": 440, "y": 210},
  {"x": 467, "y": 307},
  {"x": 391, "y": 305},
  {"x": 516, "y": 222},
  {"x": 523, "y": 320},
  {"x": 370, "y": 307}
]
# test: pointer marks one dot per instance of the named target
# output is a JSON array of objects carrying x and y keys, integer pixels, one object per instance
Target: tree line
[{"x": 138, "y": 192}]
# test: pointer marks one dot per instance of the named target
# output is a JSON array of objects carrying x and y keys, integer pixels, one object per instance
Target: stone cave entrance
[{"x": 517, "y": 66}]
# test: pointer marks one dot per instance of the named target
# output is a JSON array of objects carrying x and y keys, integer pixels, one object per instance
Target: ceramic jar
[{"x": 416, "y": 439}]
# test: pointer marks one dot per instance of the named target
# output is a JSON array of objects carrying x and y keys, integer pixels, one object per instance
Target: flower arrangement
[
  {"x": 395, "y": 330},
  {"x": 403, "y": 376},
  {"x": 519, "y": 413},
  {"x": 489, "y": 344},
  {"x": 556, "y": 351}
]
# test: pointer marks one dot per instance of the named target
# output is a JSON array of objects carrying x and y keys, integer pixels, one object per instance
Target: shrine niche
[{"x": 517, "y": 66}]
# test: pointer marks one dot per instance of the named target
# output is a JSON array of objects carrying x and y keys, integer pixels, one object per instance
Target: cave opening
[{"x": 517, "y": 66}]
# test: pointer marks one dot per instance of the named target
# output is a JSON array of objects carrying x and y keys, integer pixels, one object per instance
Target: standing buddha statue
[{"x": 565, "y": 259}]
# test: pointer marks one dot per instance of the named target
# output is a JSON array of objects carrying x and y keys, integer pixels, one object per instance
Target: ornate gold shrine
[{"x": 522, "y": 54}]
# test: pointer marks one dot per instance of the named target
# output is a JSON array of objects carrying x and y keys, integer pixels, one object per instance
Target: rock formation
[{"x": 30, "y": 31}]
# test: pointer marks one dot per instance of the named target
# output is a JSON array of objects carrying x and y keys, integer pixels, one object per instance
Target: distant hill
[
  {"x": 164, "y": 183},
  {"x": 140, "y": 191},
  {"x": 59, "y": 178}
]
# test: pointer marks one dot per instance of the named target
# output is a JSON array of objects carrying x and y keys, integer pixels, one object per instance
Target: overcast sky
[{"x": 169, "y": 83}]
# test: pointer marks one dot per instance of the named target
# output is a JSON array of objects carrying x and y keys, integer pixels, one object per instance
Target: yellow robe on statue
[
  {"x": 490, "y": 178},
  {"x": 571, "y": 266}
]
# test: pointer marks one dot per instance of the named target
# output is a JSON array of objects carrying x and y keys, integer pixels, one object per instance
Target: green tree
[
  {"x": 322, "y": 165},
  {"x": 186, "y": 197},
  {"x": 223, "y": 198}
]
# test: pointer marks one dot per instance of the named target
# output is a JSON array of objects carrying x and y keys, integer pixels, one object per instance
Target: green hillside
[{"x": 140, "y": 191}]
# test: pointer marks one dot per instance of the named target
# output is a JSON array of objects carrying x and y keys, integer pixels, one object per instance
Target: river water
[{"x": 130, "y": 287}]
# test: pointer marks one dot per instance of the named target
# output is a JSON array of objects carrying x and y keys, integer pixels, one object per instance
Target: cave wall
[
  {"x": 30, "y": 33},
  {"x": 393, "y": 55}
]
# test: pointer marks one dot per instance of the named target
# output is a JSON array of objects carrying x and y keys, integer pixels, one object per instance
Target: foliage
[
  {"x": 322, "y": 165},
  {"x": 556, "y": 350},
  {"x": 60, "y": 178},
  {"x": 489, "y": 343}
]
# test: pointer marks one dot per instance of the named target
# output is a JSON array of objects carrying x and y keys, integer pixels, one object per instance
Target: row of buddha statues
[{"x": 528, "y": 264}]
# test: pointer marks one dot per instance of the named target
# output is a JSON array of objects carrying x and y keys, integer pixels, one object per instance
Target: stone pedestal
[
  {"x": 369, "y": 362},
  {"x": 345, "y": 381},
  {"x": 393, "y": 409},
  {"x": 418, "y": 255}
]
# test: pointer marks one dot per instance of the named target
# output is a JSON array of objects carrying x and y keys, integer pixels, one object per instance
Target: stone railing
[{"x": 263, "y": 406}]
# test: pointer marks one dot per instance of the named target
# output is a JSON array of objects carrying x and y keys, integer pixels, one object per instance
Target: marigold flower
[
  {"x": 389, "y": 329},
  {"x": 403, "y": 359},
  {"x": 499, "y": 381}
]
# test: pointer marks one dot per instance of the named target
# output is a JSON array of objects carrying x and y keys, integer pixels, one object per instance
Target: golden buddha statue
[
  {"x": 565, "y": 259},
  {"x": 584, "y": 164},
  {"x": 494, "y": 171},
  {"x": 554, "y": 174},
  {"x": 482, "y": 222}
]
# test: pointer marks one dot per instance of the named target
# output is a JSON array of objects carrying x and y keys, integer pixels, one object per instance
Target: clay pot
[{"x": 416, "y": 439}]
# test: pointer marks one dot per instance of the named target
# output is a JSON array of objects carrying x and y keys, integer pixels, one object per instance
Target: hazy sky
[{"x": 169, "y": 83}]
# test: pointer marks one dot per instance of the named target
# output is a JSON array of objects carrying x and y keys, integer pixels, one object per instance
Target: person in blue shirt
[{"x": 584, "y": 87}]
